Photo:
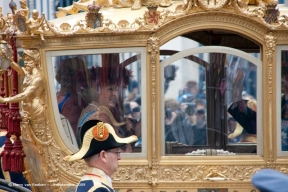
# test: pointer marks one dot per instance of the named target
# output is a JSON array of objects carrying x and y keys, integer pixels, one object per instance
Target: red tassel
[
  {"x": 17, "y": 157},
  {"x": 14, "y": 123},
  {"x": 12, "y": 158},
  {"x": 4, "y": 114},
  {"x": 6, "y": 158}
]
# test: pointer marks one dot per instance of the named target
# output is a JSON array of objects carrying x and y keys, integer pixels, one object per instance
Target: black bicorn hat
[{"x": 97, "y": 136}]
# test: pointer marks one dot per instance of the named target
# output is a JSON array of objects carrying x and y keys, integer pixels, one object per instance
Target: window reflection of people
[
  {"x": 200, "y": 135},
  {"x": 284, "y": 114},
  {"x": 103, "y": 93},
  {"x": 284, "y": 129},
  {"x": 132, "y": 116},
  {"x": 101, "y": 152},
  {"x": 70, "y": 104},
  {"x": 188, "y": 123},
  {"x": 133, "y": 91},
  {"x": 173, "y": 122}
]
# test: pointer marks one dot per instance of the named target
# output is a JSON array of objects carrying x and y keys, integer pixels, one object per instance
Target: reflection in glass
[
  {"x": 105, "y": 87},
  {"x": 284, "y": 100},
  {"x": 210, "y": 104}
]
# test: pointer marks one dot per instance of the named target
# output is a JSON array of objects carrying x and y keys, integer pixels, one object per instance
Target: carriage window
[
  {"x": 210, "y": 103},
  {"x": 284, "y": 101},
  {"x": 104, "y": 86}
]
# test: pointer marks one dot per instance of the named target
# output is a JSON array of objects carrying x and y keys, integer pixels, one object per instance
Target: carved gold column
[
  {"x": 153, "y": 50},
  {"x": 270, "y": 41}
]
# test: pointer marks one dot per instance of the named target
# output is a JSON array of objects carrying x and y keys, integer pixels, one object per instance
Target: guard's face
[
  {"x": 113, "y": 156},
  {"x": 109, "y": 96}
]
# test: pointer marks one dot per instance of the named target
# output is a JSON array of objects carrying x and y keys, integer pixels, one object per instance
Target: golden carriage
[{"x": 208, "y": 35}]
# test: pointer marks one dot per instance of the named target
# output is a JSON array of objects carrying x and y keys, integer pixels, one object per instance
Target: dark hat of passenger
[{"x": 97, "y": 136}]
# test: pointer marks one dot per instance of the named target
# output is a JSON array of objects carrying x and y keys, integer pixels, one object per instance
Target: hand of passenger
[{"x": 242, "y": 106}]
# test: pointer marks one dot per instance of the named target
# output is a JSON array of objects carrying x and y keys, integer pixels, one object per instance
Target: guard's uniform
[
  {"x": 95, "y": 137},
  {"x": 95, "y": 180}
]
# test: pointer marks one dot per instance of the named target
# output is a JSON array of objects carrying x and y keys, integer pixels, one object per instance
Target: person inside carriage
[
  {"x": 102, "y": 89},
  {"x": 70, "y": 104}
]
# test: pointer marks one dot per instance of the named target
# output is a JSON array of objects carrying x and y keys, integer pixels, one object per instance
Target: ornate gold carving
[
  {"x": 270, "y": 41},
  {"x": 150, "y": 20},
  {"x": 153, "y": 50},
  {"x": 35, "y": 25},
  {"x": 131, "y": 173},
  {"x": 65, "y": 27},
  {"x": 123, "y": 24},
  {"x": 187, "y": 174},
  {"x": 2, "y": 21},
  {"x": 215, "y": 176},
  {"x": 207, "y": 19}
]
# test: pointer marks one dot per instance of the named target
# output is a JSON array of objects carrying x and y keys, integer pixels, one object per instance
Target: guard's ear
[{"x": 103, "y": 155}]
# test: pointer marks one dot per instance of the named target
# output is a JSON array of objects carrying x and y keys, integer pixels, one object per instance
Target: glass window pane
[
  {"x": 284, "y": 100},
  {"x": 103, "y": 86},
  {"x": 210, "y": 105}
]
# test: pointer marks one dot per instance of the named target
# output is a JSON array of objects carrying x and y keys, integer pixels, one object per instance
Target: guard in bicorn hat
[{"x": 100, "y": 150}]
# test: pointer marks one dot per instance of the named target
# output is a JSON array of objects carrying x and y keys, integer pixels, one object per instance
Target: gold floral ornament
[{"x": 100, "y": 132}]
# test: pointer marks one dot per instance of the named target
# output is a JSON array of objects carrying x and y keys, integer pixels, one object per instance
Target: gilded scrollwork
[
  {"x": 185, "y": 174},
  {"x": 131, "y": 173},
  {"x": 150, "y": 20},
  {"x": 77, "y": 168}
]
